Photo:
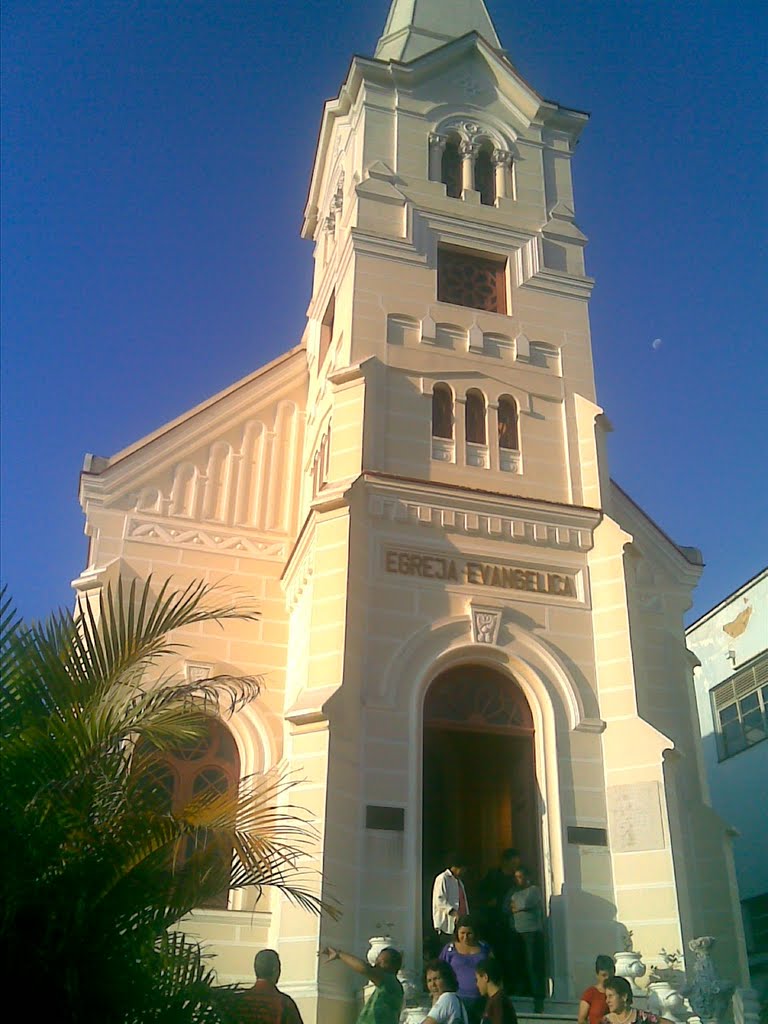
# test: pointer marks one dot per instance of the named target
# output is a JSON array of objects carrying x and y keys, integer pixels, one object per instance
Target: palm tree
[{"x": 97, "y": 868}]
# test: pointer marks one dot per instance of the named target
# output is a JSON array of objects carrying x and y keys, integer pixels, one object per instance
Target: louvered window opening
[
  {"x": 741, "y": 708},
  {"x": 467, "y": 280}
]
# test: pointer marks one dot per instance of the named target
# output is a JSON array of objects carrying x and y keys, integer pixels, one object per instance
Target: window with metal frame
[
  {"x": 469, "y": 280},
  {"x": 740, "y": 708}
]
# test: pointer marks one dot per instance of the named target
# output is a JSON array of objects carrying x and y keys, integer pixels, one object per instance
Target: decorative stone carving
[
  {"x": 471, "y": 86},
  {"x": 667, "y": 1001},
  {"x": 485, "y": 624},
  {"x": 411, "y": 988},
  {"x": 501, "y": 157},
  {"x": 442, "y": 449},
  {"x": 629, "y": 965},
  {"x": 514, "y": 529},
  {"x": 665, "y": 996},
  {"x": 155, "y": 532},
  {"x": 510, "y": 461},
  {"x": 708, "y": 993}
]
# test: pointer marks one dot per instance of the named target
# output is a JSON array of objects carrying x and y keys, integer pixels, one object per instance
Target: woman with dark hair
[
  {"x": 464, "y": 954},
  {"x": 593, "y": 1007},
  {"x": 618, "y": 995},
  {"x": 447, "y": 1008}
]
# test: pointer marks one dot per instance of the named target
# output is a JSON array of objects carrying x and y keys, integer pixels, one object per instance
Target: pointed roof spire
[{"x": 414, "y": 27}]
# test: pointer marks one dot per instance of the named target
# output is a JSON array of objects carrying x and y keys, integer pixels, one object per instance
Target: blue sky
[{"x": 156, "y": 158}]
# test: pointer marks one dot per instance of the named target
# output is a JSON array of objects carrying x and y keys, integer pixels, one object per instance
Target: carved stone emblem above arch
[
  {"x": 551, "y": 689},
  {"x": 472, "y": 131}
]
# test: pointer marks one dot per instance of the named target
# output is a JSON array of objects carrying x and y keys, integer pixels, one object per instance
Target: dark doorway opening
[{"x": 480, "y": 794}]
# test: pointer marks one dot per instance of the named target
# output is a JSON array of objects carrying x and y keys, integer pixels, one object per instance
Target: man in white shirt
[{"x": 449, "y": 898}]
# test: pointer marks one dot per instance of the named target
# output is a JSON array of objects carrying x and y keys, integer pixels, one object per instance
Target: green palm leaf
[{"x": 96, "y": 868}]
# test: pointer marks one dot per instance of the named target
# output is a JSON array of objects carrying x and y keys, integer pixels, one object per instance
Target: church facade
[{"x": 471, "y": 636}]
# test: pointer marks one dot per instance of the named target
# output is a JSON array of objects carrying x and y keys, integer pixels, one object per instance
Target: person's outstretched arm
[{"x": 374, "y": 974}]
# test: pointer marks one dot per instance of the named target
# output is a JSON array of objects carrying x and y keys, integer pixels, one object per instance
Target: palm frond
[{"x": 97, "y": 868}]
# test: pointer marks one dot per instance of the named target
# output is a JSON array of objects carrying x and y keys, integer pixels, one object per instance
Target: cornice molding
[
  {"x": 403, "y": 251},
  {"x": 647, "y": 534},
  {"x": 553, "y": 282},
  {"x": 496, "y": 517}
]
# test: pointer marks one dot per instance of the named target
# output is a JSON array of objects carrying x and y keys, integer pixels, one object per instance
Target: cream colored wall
[
  {"x": 214, "y": 497},
  {"x": 412, "y": 628},
  {"x": 659, "y": 582}
]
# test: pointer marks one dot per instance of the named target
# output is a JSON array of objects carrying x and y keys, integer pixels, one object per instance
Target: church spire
[{"x": 414, "y": 27}]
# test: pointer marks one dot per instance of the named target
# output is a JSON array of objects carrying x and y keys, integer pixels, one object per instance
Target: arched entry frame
[{"x": 555, "y": 706}]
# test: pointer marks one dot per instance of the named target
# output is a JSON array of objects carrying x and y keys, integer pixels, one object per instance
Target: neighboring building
[
  {"x": 471, "y": 636},
  {"x": 730, "y": 643}
]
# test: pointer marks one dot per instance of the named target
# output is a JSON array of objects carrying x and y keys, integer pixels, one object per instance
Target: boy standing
[{"x": 490, "y": 983}]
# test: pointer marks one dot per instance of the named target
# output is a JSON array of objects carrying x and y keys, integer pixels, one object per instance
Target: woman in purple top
[{"x": 464, "y": 954}]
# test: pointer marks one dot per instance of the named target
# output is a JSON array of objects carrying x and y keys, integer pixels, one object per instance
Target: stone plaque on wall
[{"x": 634, "y": 814}]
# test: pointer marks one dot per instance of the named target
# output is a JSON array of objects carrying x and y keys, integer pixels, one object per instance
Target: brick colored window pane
[{"x": 467, "y": 280}]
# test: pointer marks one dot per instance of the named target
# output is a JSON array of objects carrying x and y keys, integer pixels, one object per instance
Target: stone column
[
  {"x": 502, "y": 163},
  {"x": 436, "y": 150},
  {"x": 493, "y": 436},
  {"x": 468, "y": 151}
]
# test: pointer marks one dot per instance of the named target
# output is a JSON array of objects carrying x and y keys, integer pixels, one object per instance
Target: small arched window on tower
[
  {"x": 442, "y": 423},
  {"x": 509, "y": 435},
  {"x": 475, "y": 422},
  {"x": 485, "y": 176},
  {"x": 475, "y": 426},
  {"x": 450, "y": 170},
  {"x": 442, "y": 411}
]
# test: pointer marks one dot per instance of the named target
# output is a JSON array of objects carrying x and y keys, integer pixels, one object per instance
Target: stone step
[
  {"x": 553, "y": 1009},
  {"x": 555, "y": 1012}
]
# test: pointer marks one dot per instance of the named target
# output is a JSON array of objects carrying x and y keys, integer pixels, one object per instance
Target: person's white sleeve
[
  {"x": 447, "y": 1009},
  {"x": 440, "y": 894},
  {"x": 441, "y": 905}
]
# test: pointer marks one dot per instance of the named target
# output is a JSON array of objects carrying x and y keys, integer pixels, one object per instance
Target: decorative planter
[
  {"x": 411, "y": 989},
  {"x": 708, "y": 994},
  {"x": 629, "y": 966},
  {"x": 666, "y": 1001},
  {"x": 376, "y": 944}
]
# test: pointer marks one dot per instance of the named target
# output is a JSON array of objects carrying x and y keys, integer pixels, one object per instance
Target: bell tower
[
  {"x": 449, "y": 269},
  {"x": 459, "y": 525}
]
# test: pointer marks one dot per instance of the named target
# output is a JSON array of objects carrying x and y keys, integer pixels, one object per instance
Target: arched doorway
[{"x": 479, "y": 780}]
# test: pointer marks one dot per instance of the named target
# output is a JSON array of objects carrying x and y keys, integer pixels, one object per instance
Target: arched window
[
  {"x": 182, "y": 774},
  {"x": 442, "y": 411},
  {"x": 475, "y": 417},
  {"x": 450, "y": 171},
  {"x": 485, "y": 182},
  {"x": 508, "y": 435}
]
